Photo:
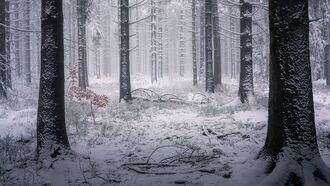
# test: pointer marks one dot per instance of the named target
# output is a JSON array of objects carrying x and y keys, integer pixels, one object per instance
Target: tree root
[{"x": 298, "y": 173}]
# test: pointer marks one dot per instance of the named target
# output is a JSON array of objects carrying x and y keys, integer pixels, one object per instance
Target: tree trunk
[
  {"x": 160, "y": 40},
  {"x": 202, "y": 42},
  {"x": 82, "y": 50},
  {"x": 327, "y": 64},
  {"x": 8, "y": 82},
  {"x": 208, "y": 47},
  {"x": 291, "y": 141},
  {"x": 216, "y": 43},
  {"x": 27, "y": 47},
  {"x": 125, "y": 81},
  {"x": 153, "y": 43},
  {"x": 52, "y": 139},
  {"x": 182, "y": 46},
  {"x": 194, "y": 42},
  {"x": 246, "y": 72},
  {"x": 3, "y": 63}
]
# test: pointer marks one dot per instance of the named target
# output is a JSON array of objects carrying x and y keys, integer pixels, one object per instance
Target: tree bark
[
  {"x": 202, "y": 42},
  {"x": 153, "y": 43},
  {"x": 208, "y": 47},
  {"x": 291, "y": 141},
  {"x": 246, "y": 72},
  {"x": 125, "y": 81},
  {"x": 52, "y": 139},
  {"x": 216, "y": 43},
  {"x": 3, "y": 62},
  {"x": 194, "y": 42},
  {"x": 82, "y": 50}
]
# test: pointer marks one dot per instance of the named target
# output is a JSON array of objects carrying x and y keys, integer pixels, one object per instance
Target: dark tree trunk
[
  {"x": 82, "y": 50},
  {"x": 8, "y": 82},
  {"x": 125, "y": 80},
  {"x": 52, "y": 139},
  {"x": 216, "y": 43},
  {"x": 3, "y": 62},
  {"x": 17, "y": 43},
  {"x": 246, "y": 73},
  {"x": 291, "y": 141},
  {"x": 202, "y": 42},
  {"x": 208, "y": 47},
  {"x": 194, "y": 42},
  {"x": 326, "y": 64}
]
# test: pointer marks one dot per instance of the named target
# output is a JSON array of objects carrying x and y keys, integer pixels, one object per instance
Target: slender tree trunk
[
  {"x": 8, "y": 82},
  {"x": 52, "y": 139},
  {"x": 208, "y": 47},
  {"x": 3, "y": 63},
  {"x": 17, "y": 46},
  {"x": 202, "y": 42},
  {"x": 216, "y": 43},
  {"x": 327, "y": 64},
  {"x": 160, "y": 40},
  {"x": 125, "y": 81},
  {"x": 27, "y": 43},
  {"x": 194, "y": 42},
  {"x": 246, "y": 73},
  {"x": 291, "y": 141},
  {"x": 182, "y": 46},
  {"x": 153, "y": 43},
  {"x": 82, "y": 50}
]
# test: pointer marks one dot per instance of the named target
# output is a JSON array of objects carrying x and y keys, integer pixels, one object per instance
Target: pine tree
[
  {"x": 52, "y": 139},
  {"x": 216, "y": 43},
  {"x": 125, "y": 80},
  {"x": 3, "y": 59},
  {"x": 208, "y": 47},
  {"x": 246, "y": 72},
  {"x": 82, "y": 43},
  {"x": 291, "y": 143},
  {"x": 194, "y": 41}
]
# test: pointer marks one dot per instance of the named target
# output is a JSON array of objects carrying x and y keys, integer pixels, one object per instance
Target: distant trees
[
  {"x": 52, "y": 139},
  {"x": 291, "y": 143},
  {"x": 125, "y": 80},
  {"x": 246, "y": 72}
]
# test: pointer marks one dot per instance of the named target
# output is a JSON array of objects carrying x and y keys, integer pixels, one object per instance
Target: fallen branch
[{"x": 229, "y": 134}]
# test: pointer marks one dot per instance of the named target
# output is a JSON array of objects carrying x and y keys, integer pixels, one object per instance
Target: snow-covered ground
[{"x": 150, "y": 143}]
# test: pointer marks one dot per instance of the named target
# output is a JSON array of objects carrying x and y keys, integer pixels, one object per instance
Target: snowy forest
[{"x": 164, "y": 92}]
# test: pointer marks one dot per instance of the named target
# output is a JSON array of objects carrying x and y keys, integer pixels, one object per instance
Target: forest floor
[{"x": 148, "y": 142}]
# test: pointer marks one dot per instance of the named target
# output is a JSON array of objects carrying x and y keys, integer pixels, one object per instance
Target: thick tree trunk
[
  {"x": 246, "y": 73},
  {"x": 52, "y": 138},
  {"x": 194, "y": 42},
  {"x": 216, "y": 43},
  {"x": 125, "y": 81},
  {"x": 208, "y": 47},
  {"x": 291, "y": 141},
  {"x": 82, "y": 50}
]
